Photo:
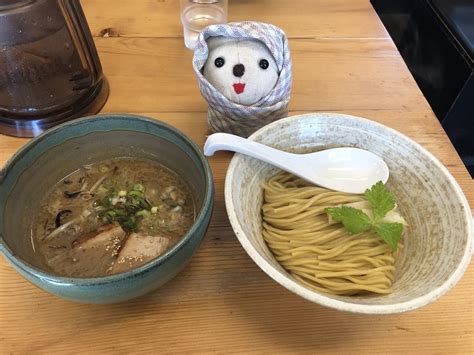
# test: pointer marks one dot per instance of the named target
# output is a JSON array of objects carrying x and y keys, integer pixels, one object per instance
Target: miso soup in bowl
[{"x": 105, "y": 208}]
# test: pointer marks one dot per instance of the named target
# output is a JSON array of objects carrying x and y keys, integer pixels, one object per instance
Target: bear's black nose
[{"x": 238, "y": 70}]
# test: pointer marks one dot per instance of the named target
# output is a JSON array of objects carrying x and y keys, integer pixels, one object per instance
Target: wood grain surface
[{"x": 343, "y": 61}]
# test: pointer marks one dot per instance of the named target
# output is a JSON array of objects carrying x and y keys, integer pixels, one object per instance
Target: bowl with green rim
[{"x": 31, "y": 173}]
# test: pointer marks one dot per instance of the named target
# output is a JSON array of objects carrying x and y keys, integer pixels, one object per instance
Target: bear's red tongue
[{"x": 239, "y": 88}]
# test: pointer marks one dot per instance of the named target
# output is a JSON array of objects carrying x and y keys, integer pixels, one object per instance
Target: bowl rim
[
  {"x": 201, "y": 217},
  {"x": 320, "y": 298}
]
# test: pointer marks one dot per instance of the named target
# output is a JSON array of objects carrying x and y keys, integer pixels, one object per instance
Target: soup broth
[{"x": 112, "y": 216}]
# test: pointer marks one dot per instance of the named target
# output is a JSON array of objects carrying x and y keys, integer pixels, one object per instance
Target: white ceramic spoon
[{"x": 343, "y": 169}]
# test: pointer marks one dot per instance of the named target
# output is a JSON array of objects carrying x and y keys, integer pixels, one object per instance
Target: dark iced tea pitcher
[{"x": 49, "y": 68}]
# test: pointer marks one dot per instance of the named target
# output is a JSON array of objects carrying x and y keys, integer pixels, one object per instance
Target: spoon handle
[{"x": 225, "y": 141}]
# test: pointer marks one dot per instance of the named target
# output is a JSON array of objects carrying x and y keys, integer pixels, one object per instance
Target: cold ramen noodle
[
  {"x": 112, "y": 216},
  {"x": 333, "y": 242}
]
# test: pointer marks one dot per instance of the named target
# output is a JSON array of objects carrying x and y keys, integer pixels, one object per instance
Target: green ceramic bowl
[{"x": 30, "y": 174}]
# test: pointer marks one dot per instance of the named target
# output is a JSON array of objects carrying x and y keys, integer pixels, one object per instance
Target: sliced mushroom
[
  {"x": 74, "y": 194},
  {"x": 61, "y": 216}
]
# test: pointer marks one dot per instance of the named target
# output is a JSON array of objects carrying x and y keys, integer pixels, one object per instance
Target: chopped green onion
[
  {"x": 129, "y": 225},
  {"x": 139, "y": 187},
  {"x": 126, "y": 207},
  {"x": 143, "y": 202},
  {"x": 135, "y": 193},
  {"x": 110, "y": 213},
  {"x": 142, "y": 213},
  {"x": 102, "y": 190}
]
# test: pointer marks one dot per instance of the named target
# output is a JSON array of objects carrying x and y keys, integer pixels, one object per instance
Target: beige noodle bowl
[{"x": 438, "y": 247}]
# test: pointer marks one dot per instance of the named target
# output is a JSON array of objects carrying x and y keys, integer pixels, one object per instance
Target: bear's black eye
[
  {"x": 219, "y": 62},
  {"x": 263, "y": 64}
]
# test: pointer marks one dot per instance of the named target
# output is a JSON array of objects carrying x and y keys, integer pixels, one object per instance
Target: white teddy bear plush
[
  {"x": 244, "y": 74},
  {"x": 243, "y": 71}
]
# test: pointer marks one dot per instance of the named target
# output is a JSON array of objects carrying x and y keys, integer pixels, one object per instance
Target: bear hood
[{"x": 227, "y": 116}]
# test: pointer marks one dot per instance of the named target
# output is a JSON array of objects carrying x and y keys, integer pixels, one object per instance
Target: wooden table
[{"x": 344, "y": 61}]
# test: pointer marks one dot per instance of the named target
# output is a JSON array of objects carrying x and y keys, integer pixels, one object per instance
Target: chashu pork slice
[
  {"x": 92, "y": 253},
  {"x": 139, "y": 249},
  {"x": 107, "y": 237}
]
